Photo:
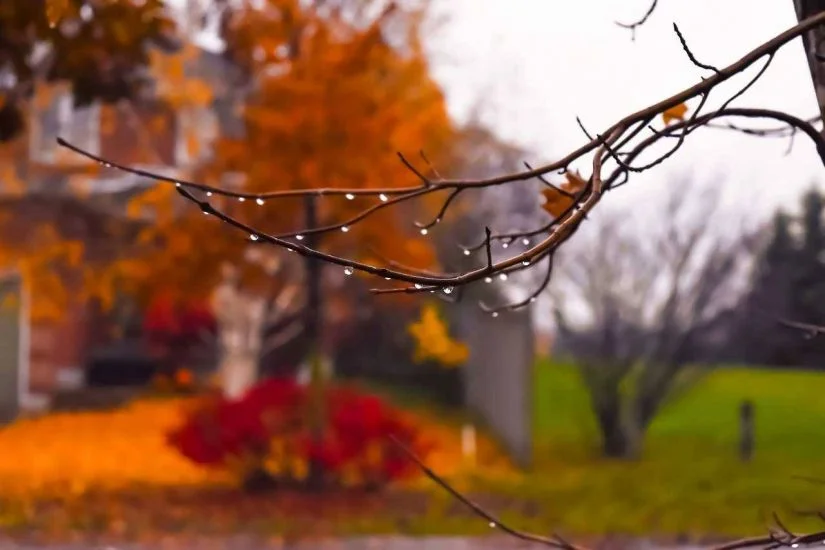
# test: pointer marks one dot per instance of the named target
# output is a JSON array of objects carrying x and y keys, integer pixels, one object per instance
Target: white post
[{"x": 468, "y": 443}]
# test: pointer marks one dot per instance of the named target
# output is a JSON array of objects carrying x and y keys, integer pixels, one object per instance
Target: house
[{"x": 84, "y": 201}]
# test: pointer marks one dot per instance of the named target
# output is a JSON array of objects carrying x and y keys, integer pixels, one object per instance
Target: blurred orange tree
[
  {"x": 99, "y": 47},
  {"x": 328, "y": 100},
  {"x": 326, "y": 97}
]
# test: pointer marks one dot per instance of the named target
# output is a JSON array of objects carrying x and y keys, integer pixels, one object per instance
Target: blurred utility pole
[
  {"x": 813, "y": 51},
  {"x": 313, "y": 331}
]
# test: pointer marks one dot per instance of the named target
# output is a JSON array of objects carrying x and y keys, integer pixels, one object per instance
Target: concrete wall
[
  {"x": 10, "y": 347},
  {"x": 499, "y": 375}
]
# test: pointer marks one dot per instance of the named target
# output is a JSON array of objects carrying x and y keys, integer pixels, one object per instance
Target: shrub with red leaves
[
  {"x": 168, "y": 320},
  {"x": 266, "y": 433},
  {"x": 173, "y": 328}
]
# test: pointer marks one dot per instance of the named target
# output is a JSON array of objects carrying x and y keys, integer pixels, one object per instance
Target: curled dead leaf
[
  {"x": 677, "y": 112},
  {"x": 558, "y": 200}
]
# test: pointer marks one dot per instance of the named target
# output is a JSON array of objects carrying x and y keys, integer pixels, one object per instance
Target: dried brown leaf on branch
[{"x": 559, "y": 198}]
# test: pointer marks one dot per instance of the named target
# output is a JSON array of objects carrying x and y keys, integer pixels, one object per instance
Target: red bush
[
  {"x": 267, "y": 431},
  {"x": 168, "y": 321}
]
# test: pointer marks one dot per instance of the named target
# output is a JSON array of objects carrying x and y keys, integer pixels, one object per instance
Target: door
[{"x": 10, "y": 347}]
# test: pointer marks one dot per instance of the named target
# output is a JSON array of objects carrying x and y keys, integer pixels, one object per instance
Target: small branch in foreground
[
  {"x": 623, "y": 144},
  {"x": 781, "y": 537}
]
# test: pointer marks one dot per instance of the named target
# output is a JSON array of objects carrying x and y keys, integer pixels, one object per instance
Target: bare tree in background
[{"x": 635, "y": 307}]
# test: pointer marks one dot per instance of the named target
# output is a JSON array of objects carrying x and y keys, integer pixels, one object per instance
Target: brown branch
[
  {"x": 809, "y": 330},
  {"x": 554, "y": 233},
  {"x": 494, "y": 522},
  {"x": 636, "y": 24}
]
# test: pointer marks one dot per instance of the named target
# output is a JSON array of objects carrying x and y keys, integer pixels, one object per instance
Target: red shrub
[
  {"x": 268, "y": 431},
  {"x": 171, "y": 322}
]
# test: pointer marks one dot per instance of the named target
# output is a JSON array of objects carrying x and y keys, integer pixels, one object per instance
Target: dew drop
[
  {"x": 349, "y": 196},
  {"x": 383, "y": 197},
  {"x": 253, "y": 237},
  {"x": 177, "y": 184},
  {"x": 492, "y": 525},
  {"x": 424, "y": 231},
  {"x": 388, "y": 278},
  {"x": 525, "y": 262},
  {"x": 299, "y": 237},
  {"x": 488, "y": 279},
  {"x": 525, "y": 242},
  {"x": 348, "y": 271},
  {"x": 466, "y": 252},
  {"x": 533, "y": 299},
  {"x": 241, "y": 199},
  {"x": 448, "y": 290},
  {"x": 418, "y": 286},
  {"x": 259, "y": 201},
  {"x": 505, "y": 245},
  {"x": 209, "y": 193},
  {"x": 495, "y": 314},
  {"x": 503, "y": 276},
  {"x": 344, "y": 228}
]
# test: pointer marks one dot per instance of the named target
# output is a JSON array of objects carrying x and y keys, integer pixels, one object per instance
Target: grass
[
  {"x": 111, "y": 471},
  {"x": 690, "y": 480}
]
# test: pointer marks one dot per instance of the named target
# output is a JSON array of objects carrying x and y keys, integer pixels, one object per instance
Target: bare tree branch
[
  {"x": 605, "y": 144},
  {"x": 638, "y": 23}
]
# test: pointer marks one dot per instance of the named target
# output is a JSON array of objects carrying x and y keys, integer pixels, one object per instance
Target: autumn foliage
[
  {"x": 328, "y": 102},
  {"x": 433, "y": 341},
  {"x": 558, "y": 199},
  {"x": 99, "y": 47},
  {"x": 265, "y": 435},
  {"x": 171, "y": 323}
]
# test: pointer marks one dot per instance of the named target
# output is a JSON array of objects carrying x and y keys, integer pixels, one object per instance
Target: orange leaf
[
  {"x": 677, "y": 112},
  {"x": 557, "y": 201},
  {"x": 56, "y": 10}
]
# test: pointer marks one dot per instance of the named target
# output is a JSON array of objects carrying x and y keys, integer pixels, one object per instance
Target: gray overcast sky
[
  {"x": 540, "y": 63},
  {"x": 536, "y": 64}
]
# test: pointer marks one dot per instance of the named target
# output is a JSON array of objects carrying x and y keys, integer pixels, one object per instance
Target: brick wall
[{"x": 57, "y": 345}]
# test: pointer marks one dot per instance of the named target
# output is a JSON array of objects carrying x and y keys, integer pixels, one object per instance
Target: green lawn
[{"x": 690, "y": 480}]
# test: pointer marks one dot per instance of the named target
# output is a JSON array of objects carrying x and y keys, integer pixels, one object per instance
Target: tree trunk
[
  {"x": 619, "y": 440},
  {"x": 238, "y": 372},
  {"x": 240, "y": 319}
]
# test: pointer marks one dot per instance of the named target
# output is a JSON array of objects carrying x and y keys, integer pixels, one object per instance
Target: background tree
[
  {"x": 787, "y": 285},
  {"x": 754, "y": 336},
  {"x": 636, "y": 308},
  {"x": 327, "y": 98},
  {"x": 100, "y": 48}
]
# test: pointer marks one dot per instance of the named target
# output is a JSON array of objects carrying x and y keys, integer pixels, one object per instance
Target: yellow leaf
[
  {"x": 433, "y": 341},
  {"x": 677, "y": 112},
  {"x": 56, "y": 10}
]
